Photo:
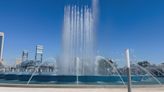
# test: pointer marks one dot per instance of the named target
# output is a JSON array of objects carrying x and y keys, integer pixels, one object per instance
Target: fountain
[
  {"x": 78, "y": 63},
  {"x": 78, "y": 39},
  {"x": 150, "y": 75},
  {"x": 98, "y": 58},
  {"x": 31, "y": 75}
]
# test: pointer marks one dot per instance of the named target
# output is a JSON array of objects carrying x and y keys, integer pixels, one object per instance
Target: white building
[{"x": 1, "y": 45}]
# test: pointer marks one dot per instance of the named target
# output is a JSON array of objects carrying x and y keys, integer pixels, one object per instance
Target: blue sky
[{"x": 134, "y": 24}]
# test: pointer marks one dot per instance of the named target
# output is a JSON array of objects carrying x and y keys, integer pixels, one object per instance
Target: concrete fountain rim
[{"x": 74, "y": 86}]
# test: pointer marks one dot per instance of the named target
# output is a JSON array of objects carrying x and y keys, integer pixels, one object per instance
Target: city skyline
[{"x": 133, "y": 24}]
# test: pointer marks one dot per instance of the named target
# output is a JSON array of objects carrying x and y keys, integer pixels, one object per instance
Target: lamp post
[{"x": 128, "y": 70}]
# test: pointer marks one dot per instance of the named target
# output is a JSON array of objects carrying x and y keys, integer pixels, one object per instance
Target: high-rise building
[
  {"x": 39, "y": 53},
  {"x": 24, "y": 56},
  {"x": 1, "y": 45}
]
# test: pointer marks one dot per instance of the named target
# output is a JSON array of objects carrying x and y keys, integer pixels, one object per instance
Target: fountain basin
[
  {"x": 70, "y": 78},
  {"x": 1, "y": 76},
  {"x": 10, "y": 76}
]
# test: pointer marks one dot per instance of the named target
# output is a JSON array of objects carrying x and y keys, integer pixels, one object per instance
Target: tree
[{"x": 144, "y": 64}]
